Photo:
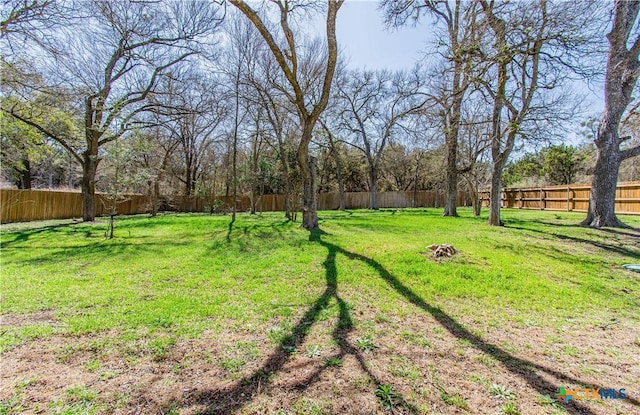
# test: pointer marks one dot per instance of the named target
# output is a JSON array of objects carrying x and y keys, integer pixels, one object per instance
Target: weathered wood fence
[
  {"x": 29, "y": 205},
  {"x": 569, "y": 198}
]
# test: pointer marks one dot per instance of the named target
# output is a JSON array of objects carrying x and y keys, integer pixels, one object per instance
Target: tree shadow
[
  {"x": 231, "y": 222},
  {"x": 24, "y": 235},
  {"x": 229, "y": 399},
  {"x": 261, "y": 230},
  {"x": 605, "y": 246},
  {"x": 519, "y": 367},
  {"x": 627, "y": 231}
]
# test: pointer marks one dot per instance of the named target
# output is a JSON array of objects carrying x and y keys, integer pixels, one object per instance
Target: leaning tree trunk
[
  {"x": 88, "y": 186},
  {"x": 475, "y": 197},
  {"x": 623, "y": 70}
]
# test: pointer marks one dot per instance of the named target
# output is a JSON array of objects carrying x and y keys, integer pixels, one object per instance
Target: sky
[
  {"x": 363, "y": 37},
  {"x": 366, "y": 43}
]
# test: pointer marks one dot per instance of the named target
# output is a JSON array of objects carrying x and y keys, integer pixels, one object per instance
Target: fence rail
[
  {"x": 30, "y": 205},
  {"x": 569, "y": 198}
]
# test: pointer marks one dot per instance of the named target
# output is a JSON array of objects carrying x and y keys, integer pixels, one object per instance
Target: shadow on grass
[
  {"x": 230, "y": 399},
  {"x": 261, "y": 230},
  {"x": 231, "y": 222},
  {"x": 95, "y": 252},
  {"x": 601, "y": 245},
  {"x": 562, "y": 223},
  {"x": 24, "y": 235},
  {"x": 234, "y": 397}
]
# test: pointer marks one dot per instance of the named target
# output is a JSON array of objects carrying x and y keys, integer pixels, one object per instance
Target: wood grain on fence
[
  {"x": 29, "y": 205},
  {"x": 570, "y": 198}
]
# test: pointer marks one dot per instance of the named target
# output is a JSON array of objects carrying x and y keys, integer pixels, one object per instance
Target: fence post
[
  {"x": 520, "y": 201},
  {"x": 568, "y": 198},
  {"x": 543, "y": 202}
]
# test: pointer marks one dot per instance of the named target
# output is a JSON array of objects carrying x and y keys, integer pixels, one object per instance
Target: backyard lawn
[{"x": 191, "y": 314}]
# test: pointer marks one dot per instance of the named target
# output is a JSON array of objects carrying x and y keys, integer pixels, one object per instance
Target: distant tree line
[{"x": 204, "y": 98}]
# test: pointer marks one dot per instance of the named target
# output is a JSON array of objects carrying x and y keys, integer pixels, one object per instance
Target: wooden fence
[
  {"x": 571, "y": 198},
  {"x": 29, "y": 205}
]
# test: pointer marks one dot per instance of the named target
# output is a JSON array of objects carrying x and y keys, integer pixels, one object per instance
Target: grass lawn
[{"x": 190, "y": 314}]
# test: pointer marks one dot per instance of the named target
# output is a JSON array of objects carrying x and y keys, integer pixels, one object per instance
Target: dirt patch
[
  {"x": 19, "y": 320},
  {"x": 432, "y": 363}
]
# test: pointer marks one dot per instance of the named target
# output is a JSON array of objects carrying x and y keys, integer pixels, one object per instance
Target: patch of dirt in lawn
[
  {"x": 19, "y": 320},
  {"x": 433, "y": 362}
]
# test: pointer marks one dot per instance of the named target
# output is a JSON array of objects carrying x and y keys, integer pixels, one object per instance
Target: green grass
[
  {"x": 181, "y": 274},
  {"x": 363, "y": 291}
]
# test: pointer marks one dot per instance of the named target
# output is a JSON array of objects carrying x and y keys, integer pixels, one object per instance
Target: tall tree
[
  {"x": 376, "y": 105},
  {"x": 526, "y": 51},
  {"x": 623, "y": 69},
  {"x": 265, "y": 81},
  {"x": 190, "y": 107},
  {"x": 309, "y": 109},
  {"x": 457, "y": 45},
  {"x": 115, "y": 53}
]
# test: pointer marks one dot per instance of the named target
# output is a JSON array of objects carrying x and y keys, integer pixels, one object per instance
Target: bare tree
[
  {"x": 525, "y": 51},
  {"x": 239, "y": 63},
  {"x": 623, "y": 69},
  {"x": 23, "y": 15},
  {"x": 114, "y": 57},
  {"x": 376, "y": 103},
  {"x": 266, "y": 91},
  {"x": 309, "y": 109},
  {"x": 458, "y": 45},
  {"x": 189, "y": 105}
]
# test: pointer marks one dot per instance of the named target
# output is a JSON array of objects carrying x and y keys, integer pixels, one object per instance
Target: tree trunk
[
  {"x": 451, "y": 141},
  {"x": 603, "y": 188},
  {"x": 155, "y": 202},
  {"x": 451, "y": 184},
  {"x": 495, "y": 196},
  {"x": 234, "y": 203},
  {"x": 373, "y": 187},
  {"x": 336, "y": 157},
  {"x": 89, "y": 169},
  {"x": 340, "y": 183},
  {"x": 477, "y": 205},
  {"x": 25, "y": 174},
  {"x": 254, "y": 175},
  {"x": 307, "y": 166},
  {"x": 309, "y": 195},
  {"x": 475, "y": 198},
  {"x": 187, "y": 184},
  {"x": 287, "y": 188},
  {"x": 623, "y": 70}
]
